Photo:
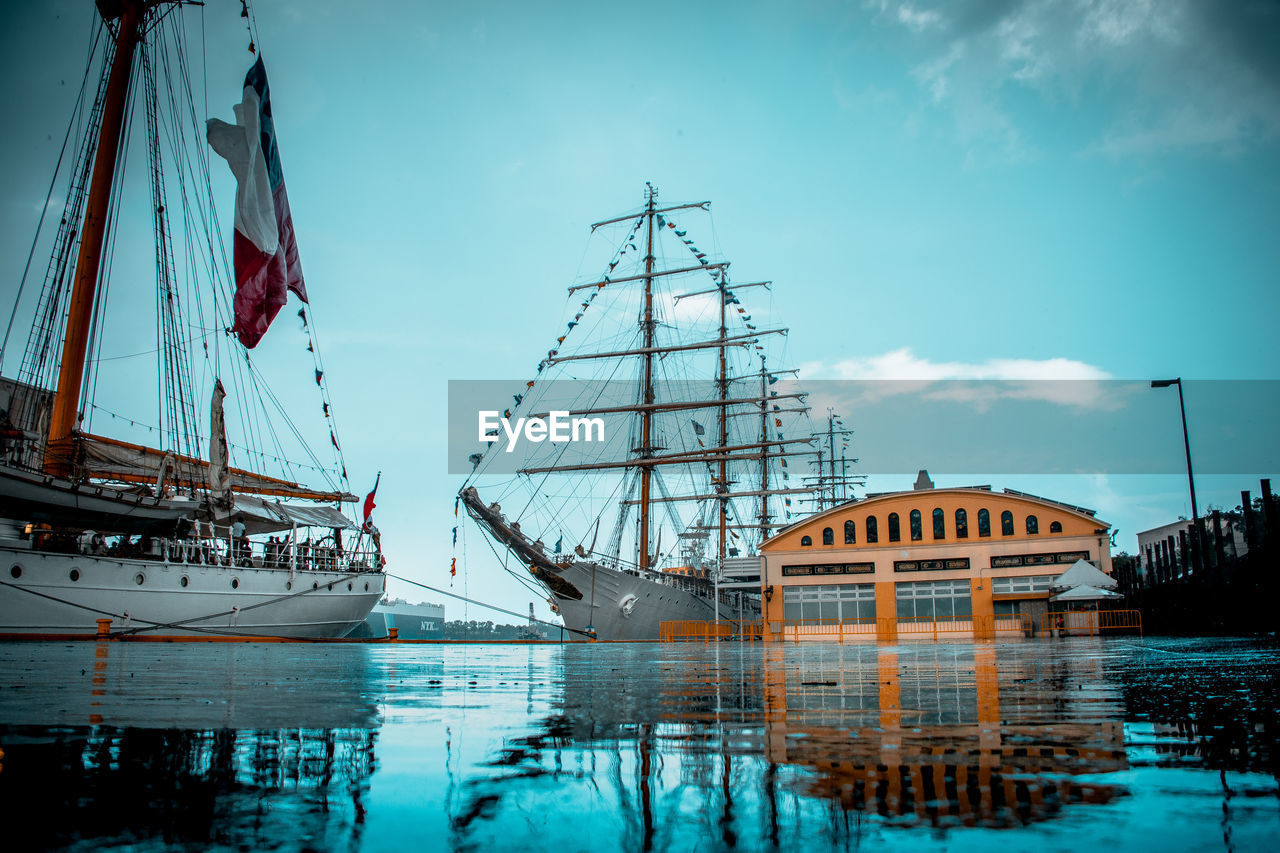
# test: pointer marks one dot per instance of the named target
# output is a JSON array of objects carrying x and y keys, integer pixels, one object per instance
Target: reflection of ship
[
  {"x": 155, "y": 536},
  {"x": 662, "y": 352},
  {"x": 804, "y": 745},
  {"x": 241, "y": 761},
  {"x": 411, "y": 621}
]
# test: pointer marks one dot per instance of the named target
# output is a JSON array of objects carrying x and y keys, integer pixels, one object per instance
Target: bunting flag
[
  {"x": 455, "y": 534},
  {"x": 698, "y": 429},
  {"x": 560, "y": 544},
  {"x": 453, "y": 567},
  {"x": 319, "y": 375},
  {"x": 518, "y": 398},
  {"x": 265, "y": 246},
  {"x": 326, "y": 409},
  {"x": 369, "y": 504},
  {"x": 529, "y": 384},
  {"x": 333, "y": 438},
  {"x": 773, "y": 380},
  {"x": 302, "y": 315},
  {"x": 777, "y": 422},
  {"x": 475, "y": 459}
]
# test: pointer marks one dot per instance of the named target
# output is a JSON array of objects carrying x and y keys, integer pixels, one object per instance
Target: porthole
[
  {"x": 16, "y": 571},
  {"x": 349, "y": 586},
  {"x": 288, "y": 584},
  {"x": 235, "y": 583},
  {"x": 330, "y": 587},
  {"x": 366, "y": 586},
  {"x": 74, "y": 575},
  {"x": 139, "y": 578},
  {"x": 315, "y": 584},
  {"x": 185, "y": 580}
]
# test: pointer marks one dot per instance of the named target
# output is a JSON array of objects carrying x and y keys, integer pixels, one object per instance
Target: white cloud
[
  {"x": 1061, "y": 381},
  {"x": 904, "y": 364},
  {"x": 1165, "y": 74}
]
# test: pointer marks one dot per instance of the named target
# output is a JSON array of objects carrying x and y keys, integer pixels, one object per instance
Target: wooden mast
[
  {"x": 66, "y": 402},
  {"x": 646, "y": 415}
]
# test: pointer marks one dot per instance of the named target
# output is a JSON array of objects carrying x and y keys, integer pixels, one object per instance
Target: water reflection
[
  {"x": 646, "y": 747},
  {"x": 821, "y": 745},
  {"x": 235, "y": 745}
]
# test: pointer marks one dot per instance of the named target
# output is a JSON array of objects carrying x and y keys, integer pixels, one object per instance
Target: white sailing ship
[
  {"x": 708, "y": 445},
  {"x": 189, "y": 534}
]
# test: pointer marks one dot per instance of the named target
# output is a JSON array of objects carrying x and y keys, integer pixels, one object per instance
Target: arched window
[
  {"x": 828, "y": 536},
  {"x": 1055, "y": 527},
  {"x": 984, "y": 523},
  {"x": 916, "y": 533},
  {"x": 962, "y": 524},
  {"x": 895, "y": 532},
  {"x": 873, "y": 534},
  {"x": 1006, "y": 523},
  {"x": 850, "y": 533},
  {"x": 805, "y": 541},
  {"x": 939, "y": 524},
  {"x": 1033, "y": 525}
]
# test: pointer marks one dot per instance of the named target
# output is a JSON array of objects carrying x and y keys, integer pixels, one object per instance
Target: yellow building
[{"x": 957, "y": 562}]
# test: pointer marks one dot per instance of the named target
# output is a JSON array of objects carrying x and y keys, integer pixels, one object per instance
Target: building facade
[{"x": 968, "y": 562}]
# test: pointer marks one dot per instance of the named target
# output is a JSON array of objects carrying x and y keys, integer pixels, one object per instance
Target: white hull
[
  {"x": 40, "y": 597},
  {"x": 626, "y": 606}
]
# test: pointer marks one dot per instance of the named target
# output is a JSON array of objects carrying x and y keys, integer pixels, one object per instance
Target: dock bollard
[
  {"x": 104, "y": 627},
  {"x": 393, "y": 634}
]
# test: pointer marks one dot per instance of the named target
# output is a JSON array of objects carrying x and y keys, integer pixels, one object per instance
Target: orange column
[
  {"x": 890, "y": 707},
  {"x": 984, "y": 609},
  {"x": 886, "y": 612},
  {"x": 988, "y": 683}
]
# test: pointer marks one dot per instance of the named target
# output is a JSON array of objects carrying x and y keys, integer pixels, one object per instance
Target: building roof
[{"x": 869, "y": 502}]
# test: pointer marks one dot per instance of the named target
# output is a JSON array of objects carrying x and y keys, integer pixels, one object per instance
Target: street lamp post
[{"x": 1191, "y": 482}]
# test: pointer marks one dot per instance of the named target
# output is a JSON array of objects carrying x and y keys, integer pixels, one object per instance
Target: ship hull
[
  {"x": 625, "y": 606},
  {"x": 39, "y": 597}
]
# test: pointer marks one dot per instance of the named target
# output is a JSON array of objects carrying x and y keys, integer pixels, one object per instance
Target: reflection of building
[
  {"x": 964, "y": 562},
  {"x": 935, "y": 745}
]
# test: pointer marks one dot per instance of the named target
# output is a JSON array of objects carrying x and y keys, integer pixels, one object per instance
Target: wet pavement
[{"x": 1167, "y": 744}]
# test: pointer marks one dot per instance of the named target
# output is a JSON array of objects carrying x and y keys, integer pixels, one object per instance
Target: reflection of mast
[{"x": 75, "y": 343}]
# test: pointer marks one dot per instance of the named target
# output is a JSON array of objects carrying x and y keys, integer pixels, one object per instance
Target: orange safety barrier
[
  {"x": 690, "y": 630},
  {"x": 795, "y": 630},
  {"x": 1090, "y": 621}
]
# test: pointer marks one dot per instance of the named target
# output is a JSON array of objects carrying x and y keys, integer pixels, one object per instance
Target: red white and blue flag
[
  {"x": 266, "y": 250},
  {"x": 369, "y": 504}
]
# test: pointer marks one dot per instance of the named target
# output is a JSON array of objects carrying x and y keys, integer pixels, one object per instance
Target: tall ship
[
  {"x": 170, "y": 501},
  {"x": 701, "y": 448}
]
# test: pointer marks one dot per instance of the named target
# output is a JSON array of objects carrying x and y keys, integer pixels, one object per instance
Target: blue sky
[{"x": 995, "y": 189}]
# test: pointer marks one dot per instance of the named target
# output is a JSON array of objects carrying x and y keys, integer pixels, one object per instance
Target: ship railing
[{"x": 210, "y": 544}]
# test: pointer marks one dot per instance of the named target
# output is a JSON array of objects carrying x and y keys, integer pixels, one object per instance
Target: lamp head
[{"x": 1165, "y": 383}]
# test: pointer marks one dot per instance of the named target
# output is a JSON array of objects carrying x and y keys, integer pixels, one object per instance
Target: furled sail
[
  {"x": 219, "y": 475},
  {"x": 108, "y": 459}
]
